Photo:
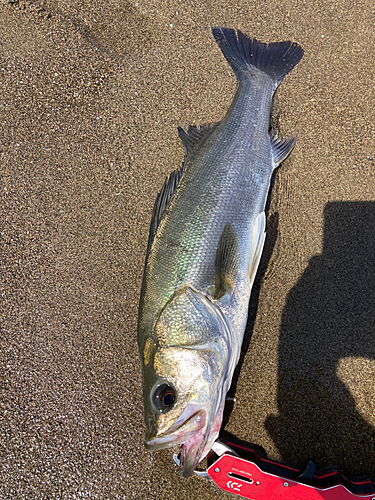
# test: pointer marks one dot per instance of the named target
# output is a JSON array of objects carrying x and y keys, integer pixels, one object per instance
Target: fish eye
[{"x": 164, "y": 397}]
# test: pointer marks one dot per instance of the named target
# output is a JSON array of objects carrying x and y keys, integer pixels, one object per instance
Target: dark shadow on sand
[{"x": 329, "y": 315}]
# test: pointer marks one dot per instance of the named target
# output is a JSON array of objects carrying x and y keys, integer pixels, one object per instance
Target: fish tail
[{"x": 244, "y": 54}]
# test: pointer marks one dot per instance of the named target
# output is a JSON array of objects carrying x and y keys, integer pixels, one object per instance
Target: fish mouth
[
  {"x": 188, "y": 425},
  {"x": 196, "y": 448},
  {"x": 194, "y": 432},
  {"x": 192, "y": 452}
]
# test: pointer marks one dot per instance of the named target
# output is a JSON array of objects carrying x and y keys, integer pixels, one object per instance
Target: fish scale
[{"x": 205, "y": 243}]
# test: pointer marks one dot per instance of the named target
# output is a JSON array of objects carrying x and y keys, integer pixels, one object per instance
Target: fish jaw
[
  {"x": 195, "y": 449},
  {"x": 190, "y": 423},
  {"x": 191, "y": 454},
  {"x": 193, "y": 432}
]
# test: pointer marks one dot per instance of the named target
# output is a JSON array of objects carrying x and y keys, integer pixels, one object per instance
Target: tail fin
[{"x": 243, "y": 54}]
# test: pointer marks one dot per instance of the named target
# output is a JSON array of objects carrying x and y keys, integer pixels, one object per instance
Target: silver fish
[{"x": 206, "y": 238}]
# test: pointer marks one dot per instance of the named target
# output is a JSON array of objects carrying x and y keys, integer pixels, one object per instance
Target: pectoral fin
[
  {"x": 257, "y": 243},
  {"x": 227, "y": 261}
]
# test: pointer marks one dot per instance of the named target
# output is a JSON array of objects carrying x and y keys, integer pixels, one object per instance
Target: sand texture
[{"x": 91, "y": 93}]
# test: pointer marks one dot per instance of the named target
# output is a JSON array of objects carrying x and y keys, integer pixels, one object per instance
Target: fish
[{"x": 206, "y": 238}]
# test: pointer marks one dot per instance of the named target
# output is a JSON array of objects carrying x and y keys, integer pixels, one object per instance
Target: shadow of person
[{"x": 329, "y": 316}]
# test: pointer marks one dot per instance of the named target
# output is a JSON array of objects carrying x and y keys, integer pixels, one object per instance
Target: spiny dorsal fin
[
  {"x": 193, "y": 136},
  {"x": 281, "y": 148},
  {"x": 227, "y": 261},
  {"x": 161, "y": 202}
]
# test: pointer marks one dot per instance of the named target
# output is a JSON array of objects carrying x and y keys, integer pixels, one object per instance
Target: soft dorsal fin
[
  {"x": 193, "y": 136},
  {"x": 189, "y": 140},
  {"x": 161, "y": 202},
  {"x": 281, "y": 148},
  {"x": 227, "y": 261}
]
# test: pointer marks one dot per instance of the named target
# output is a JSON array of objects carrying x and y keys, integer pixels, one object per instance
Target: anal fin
[{"x": 281, "y": 148}]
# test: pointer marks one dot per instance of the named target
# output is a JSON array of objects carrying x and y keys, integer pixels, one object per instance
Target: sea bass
[{"x": 206, "y": 238}]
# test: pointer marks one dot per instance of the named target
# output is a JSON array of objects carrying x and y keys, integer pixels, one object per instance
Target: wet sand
[{"x": 91, "y": 94}]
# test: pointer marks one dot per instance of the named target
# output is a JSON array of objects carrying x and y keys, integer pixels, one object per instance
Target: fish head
[{"x": 185, "y": 370}]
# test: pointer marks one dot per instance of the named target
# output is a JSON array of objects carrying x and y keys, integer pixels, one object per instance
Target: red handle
[{"x": 246, "y": 479}]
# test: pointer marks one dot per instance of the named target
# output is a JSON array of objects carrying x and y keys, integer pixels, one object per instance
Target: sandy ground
[{"x": 91, "y": 93}]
